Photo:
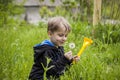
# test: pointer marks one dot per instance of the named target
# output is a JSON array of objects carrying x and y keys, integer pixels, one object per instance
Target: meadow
[{"x": 100, "y": 61}]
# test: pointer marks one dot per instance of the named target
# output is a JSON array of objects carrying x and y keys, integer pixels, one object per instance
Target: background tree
[{"x": 97, "y": 12}]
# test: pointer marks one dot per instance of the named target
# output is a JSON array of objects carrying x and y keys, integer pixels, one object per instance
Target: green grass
[{"x": 98, "y": 62}]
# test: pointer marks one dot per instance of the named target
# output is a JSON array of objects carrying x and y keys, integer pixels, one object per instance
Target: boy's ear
[{"x": 49, "y": 33}]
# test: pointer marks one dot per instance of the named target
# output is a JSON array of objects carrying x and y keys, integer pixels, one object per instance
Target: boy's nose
[{"x": 64, "y": 38}]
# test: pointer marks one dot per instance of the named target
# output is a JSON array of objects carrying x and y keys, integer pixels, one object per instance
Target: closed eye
[{"x": 61, "y": 35}]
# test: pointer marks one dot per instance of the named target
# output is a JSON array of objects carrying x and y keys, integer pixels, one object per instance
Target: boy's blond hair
[{"x": 56, "y": 22}]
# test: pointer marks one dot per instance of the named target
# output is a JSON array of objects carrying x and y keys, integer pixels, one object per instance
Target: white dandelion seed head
[{"x": 72, "y": 45}]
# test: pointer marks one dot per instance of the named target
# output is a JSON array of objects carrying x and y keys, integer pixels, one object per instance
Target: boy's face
[{"x": 58, "y": 37}]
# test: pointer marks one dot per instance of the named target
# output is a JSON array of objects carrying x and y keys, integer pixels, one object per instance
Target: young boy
[{"x": 58, "y": 29}]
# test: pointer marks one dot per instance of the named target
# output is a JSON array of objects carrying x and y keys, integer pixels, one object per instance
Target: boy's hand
[
  {"x": 76, "y": 58},
  {"x": 68, "y": 55}
]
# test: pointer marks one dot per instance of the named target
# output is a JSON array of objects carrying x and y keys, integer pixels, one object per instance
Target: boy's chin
[{"x": 61, "y": 45}]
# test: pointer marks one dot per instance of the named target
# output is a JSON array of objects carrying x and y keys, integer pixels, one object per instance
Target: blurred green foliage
[
  {"x": 7, "y": 10},
  {"x": 110, "y": 9},
  {"x": 107, "y": 33}
]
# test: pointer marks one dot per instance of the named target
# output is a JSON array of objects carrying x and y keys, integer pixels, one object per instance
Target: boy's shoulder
[
  {"x": 46, "y": 44},
  {"x": 40, "y": 49},
  {"x": 45, "y": 47}
]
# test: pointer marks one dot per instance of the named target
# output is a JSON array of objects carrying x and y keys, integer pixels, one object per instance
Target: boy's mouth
[{"x": 62, "y": 42}]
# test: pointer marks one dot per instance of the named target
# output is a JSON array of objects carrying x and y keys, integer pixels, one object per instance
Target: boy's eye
[
  {"x": 60, "y": 35},
  {"x": 65, "y": 35}
]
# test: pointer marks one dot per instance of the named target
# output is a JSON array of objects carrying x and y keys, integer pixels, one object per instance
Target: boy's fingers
[
  {"x": 76, "y": 58},
  {"x": 68, "y": 55}
]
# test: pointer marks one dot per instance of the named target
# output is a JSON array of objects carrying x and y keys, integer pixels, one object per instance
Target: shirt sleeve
[{"x": 37, "y": 71}]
